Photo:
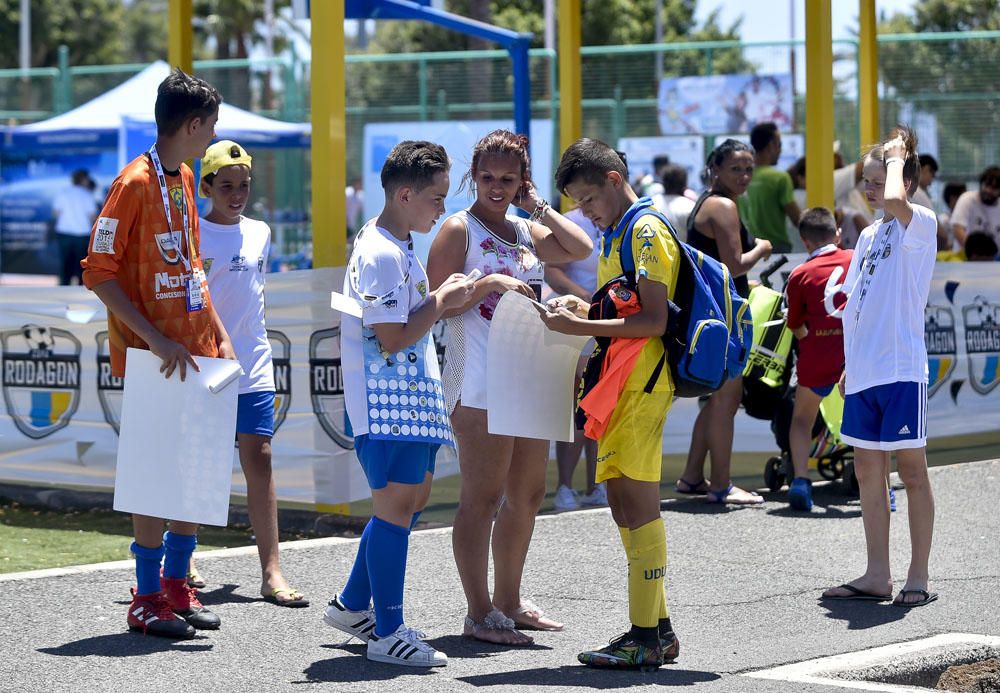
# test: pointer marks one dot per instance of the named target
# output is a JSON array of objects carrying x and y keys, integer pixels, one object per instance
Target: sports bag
[{"x": 709, "y": 325}]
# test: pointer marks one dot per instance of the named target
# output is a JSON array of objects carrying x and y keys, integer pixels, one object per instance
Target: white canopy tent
[{"x": 98, "y": 123}]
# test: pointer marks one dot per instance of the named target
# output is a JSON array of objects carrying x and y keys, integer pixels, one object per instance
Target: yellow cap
[{"x": 223, "y": 153}]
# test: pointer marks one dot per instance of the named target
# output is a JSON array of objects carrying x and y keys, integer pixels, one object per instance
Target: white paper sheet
[
  {"x": 175, "y": 449},
  {"x": 345, "y": 304},
  {"x": 530, "y": 372}
]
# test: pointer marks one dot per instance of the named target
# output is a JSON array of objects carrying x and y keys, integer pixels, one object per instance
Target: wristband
[{"x": 895, "y": 158}]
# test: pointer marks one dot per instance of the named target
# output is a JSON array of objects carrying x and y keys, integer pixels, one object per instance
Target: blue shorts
[
  {"x": 255, "y": 413},
  {"x": 886, "y": 417},
  {"x": 823, "y": 391},
  {"x": 399, "y": 461}
]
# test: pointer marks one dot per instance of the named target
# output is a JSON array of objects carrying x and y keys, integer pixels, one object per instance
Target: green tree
[{"x": 954, "y": 80}]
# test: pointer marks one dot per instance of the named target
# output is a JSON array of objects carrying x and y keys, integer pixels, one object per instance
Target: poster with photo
[{"x": 724, "y": 103}]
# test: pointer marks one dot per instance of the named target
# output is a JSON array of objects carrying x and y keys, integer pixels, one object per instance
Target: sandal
[
  {"x": 292, "y": 597},
  {"x": 686, "y": 488},
  {"x": 494, "y": 627},
  {"x": 733, "y": 496},
  {"x": 530, "y": 617}
]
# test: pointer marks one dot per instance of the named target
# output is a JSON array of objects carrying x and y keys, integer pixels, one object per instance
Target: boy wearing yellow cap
[{"x": 234, "y": 251}]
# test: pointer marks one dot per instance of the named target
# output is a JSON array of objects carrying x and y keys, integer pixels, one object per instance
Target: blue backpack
[{"x": 709, "y": 325}]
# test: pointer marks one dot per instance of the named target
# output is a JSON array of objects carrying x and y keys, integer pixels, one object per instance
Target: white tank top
[{"x": 465, "y": 357}]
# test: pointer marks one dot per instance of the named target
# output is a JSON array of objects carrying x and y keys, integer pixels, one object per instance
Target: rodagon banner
[{"x": 62, "y": 406}]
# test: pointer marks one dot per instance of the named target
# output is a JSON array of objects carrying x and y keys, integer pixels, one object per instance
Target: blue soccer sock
[
  {"x": 177, "y": 557},
  {"x": 386, "y": 555},
  {"x": 357, "y": 593},
  {"x": 147, "y": 568}
]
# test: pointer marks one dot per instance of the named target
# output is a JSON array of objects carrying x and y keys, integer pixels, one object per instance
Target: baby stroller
[{"x": 768, "y": 393}]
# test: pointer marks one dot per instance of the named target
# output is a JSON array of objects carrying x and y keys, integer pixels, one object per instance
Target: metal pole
[
  {"x": 179, "y": 46},
  {"x": 867, "y": 74},
  {"x": 329, "y": 133},
  {"x": 25, "y": 34},
  {"x": 658, "y": 38},
  {"x": 819, "y": 103},
  {"x": 570, "y": 80},
  {"x": 550, "y": 24}
]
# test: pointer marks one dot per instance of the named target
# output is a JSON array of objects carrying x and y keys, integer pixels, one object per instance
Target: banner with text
[{"x": 62, "y": 408}]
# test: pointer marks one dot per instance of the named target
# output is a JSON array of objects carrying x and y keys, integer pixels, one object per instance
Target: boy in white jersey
[
  {"x": 392, "y": 388},
  {"x": 885, "y": 376},
  {"x": 234, "y": 251}
]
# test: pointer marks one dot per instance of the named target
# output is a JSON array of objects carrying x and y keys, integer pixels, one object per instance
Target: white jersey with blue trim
[{"x": 887, "y": 285}]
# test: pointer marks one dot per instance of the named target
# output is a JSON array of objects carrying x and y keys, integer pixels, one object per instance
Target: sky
[{"x": 773, "y": 23}]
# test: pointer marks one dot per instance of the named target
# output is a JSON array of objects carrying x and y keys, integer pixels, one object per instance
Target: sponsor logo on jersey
[
  {"x": 206, "y": 263},
  {"x": 326, "y": 386},
  {"x": 167, "y": 286},
  {"x": 941, "y": 343},
  {"x": 41, "y": 378},
  {"x": 982, "y": 343},
  {"x": 110, "y": 389},
  {"x": 167, "y": 243},
  {"x": 238, "y": 263},
  {"x": 281, "y": 355}
]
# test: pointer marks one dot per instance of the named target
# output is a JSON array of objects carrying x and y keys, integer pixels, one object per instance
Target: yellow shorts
[{"x": 632, "y": 445}]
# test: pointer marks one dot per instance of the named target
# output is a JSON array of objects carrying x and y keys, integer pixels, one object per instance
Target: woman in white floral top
[{"x": 509, "y": 251}]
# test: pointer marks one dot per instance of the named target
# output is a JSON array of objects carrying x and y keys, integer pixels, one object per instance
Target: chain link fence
[{"x": 943, "y": 84}]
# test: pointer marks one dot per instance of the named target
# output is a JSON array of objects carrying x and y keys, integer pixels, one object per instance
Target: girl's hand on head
[
  {"x": 895, "y": 147},
  {"x": 527, "y": 197}
]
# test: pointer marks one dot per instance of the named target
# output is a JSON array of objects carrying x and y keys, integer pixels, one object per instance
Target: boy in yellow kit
[{"x": 630, "y": 447}]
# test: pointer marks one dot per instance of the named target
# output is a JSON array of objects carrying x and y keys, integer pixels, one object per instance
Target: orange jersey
[{"x": 130, "y": 242}]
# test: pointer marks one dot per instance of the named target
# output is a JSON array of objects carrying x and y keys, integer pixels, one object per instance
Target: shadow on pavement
[
  {"x": 460, "y": 647},
  {"x": 353, "y": 669},
  {"x": 225, "y": 594},
  {"x": 581, "y": 677},
  {"x": 123, "y": 645},
  {"x": 861, "y": 614}
]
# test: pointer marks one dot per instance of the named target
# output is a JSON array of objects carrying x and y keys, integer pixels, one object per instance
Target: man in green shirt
[{"x": 770, "y": 196}]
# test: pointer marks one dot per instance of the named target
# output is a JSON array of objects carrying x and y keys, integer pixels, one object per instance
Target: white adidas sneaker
[
  {"x": 406, "y": 648},
  {"x": 359, "y": 624}
]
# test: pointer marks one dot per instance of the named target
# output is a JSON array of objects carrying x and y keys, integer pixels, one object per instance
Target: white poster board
[
  {"x": 530, "y": 373},
  {"x": 175, "y": 449}
]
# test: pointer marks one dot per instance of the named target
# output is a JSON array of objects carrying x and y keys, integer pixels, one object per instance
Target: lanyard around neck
[
  {"x": 870, "y": 264},
  {"x": 184, "y": 236}
]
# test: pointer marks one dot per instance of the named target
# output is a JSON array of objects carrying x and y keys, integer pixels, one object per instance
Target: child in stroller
[{"x": 802, "y": 326}]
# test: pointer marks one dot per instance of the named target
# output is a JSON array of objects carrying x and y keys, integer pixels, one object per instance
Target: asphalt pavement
[{"x": 742, "y": 585}]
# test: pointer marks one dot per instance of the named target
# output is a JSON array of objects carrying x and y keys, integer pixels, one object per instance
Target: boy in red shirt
[
  {"x": 815, "y": 304},
  {"x": 144, "y": 265}
]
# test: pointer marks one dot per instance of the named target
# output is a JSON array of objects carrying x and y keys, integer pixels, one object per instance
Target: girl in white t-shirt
[
  {"x": 234, "y": 251},
  {"x": 885, "y": 377},
  {"x": 509, "y": 251}
]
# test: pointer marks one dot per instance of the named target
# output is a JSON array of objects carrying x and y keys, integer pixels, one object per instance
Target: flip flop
[
  {"x": 689, "y": 489},
  {"x": 856, "y": 594},
  {"x": 294, "y": 600},
  {"x": 928, "y": 598}
]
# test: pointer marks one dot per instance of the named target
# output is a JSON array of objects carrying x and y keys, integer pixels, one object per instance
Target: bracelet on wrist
[
  {"x": 892, "y": 159},
  {"x": 540, "y": 209}
]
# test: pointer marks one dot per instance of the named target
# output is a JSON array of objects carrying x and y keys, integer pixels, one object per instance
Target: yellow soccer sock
[
  {"x": 647, "y": 558},
  {"x": 626, "y": 538}
]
